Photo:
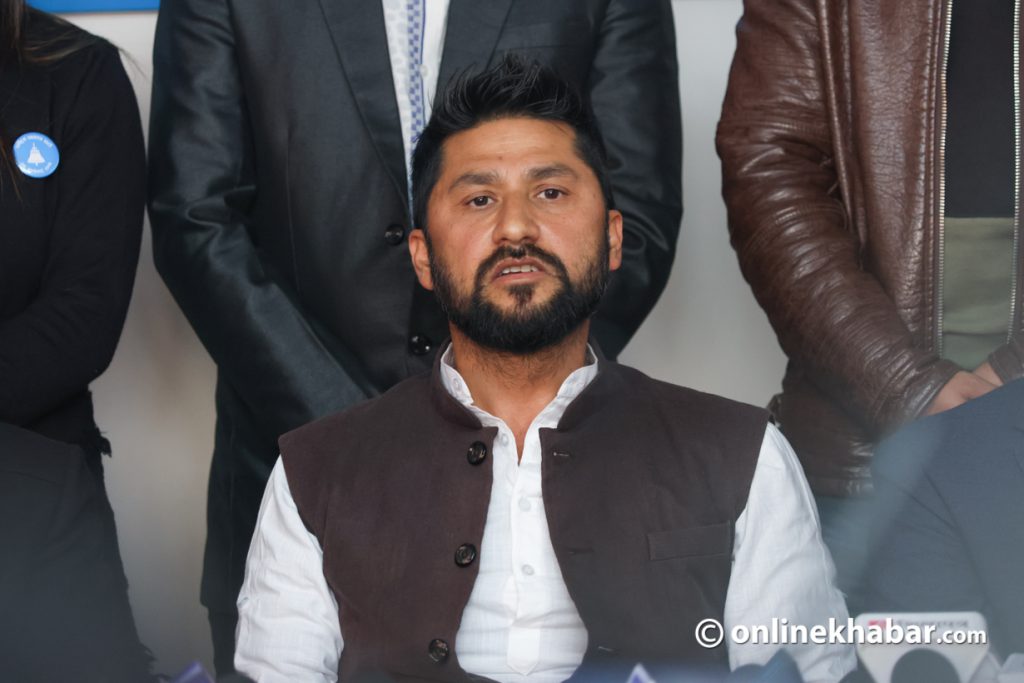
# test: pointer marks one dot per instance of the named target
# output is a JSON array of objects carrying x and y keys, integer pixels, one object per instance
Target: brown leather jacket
[{"x": 831, "y": 141}]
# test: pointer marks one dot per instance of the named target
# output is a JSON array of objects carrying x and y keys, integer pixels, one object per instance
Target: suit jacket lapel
[
  {"x": 470, "y": 36},
  {"x": 361, "y": 41}
]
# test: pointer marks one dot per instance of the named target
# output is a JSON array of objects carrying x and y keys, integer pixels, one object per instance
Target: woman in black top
[{"x": 72, "y": 176}]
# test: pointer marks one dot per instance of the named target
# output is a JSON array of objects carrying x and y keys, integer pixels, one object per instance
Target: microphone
[
  {"x": 780, "y": 669},
  {"x": 957, "y": 643},
  {"x": 195, "y": 673},
  {"x": 924, "y": 666},
  {"x": 858, "y": 675}
]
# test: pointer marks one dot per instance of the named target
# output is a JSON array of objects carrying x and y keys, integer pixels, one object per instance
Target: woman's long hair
[
  {"x": 18, "y": 49},
  {"x": 12, "y": 26}
]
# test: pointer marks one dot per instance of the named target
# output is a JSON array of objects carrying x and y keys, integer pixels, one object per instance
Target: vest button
[
  {"x": 438, "y": 650},
  {"x": 420, "y": 344},
  {"x": 394, "y": 234},
  {"x": 465, "y": 554},
  {"x": 477, "y": 453}
]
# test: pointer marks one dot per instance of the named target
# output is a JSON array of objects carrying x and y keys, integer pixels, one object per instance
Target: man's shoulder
[
  {"x": 394, "y": 406},
  {"x": 722, "y": 431},
  {"x": 719, "y": 437},
  {"x": 311, "y": 453},
  {"x": 675, "y": 396}
]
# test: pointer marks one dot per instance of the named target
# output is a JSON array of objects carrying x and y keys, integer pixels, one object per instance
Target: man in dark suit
[
  {"x": 279, "y": 142},
  {"x": 950, "y": 509}
]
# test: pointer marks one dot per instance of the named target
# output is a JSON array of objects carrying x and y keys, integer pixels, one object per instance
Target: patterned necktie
[{"x": 415, "y": 11}]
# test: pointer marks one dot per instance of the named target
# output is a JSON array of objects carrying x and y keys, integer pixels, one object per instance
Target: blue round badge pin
[{"x": 36, "y": 155}]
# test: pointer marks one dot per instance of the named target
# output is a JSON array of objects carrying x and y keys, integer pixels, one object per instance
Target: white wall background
[{"x": 156, "y": 400}]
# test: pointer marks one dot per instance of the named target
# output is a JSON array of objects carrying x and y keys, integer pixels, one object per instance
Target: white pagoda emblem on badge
[{"x": 35, "y": 157}]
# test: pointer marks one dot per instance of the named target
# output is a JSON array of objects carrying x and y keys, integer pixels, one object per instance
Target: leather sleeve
[
  {"x": 66, "y": 337},
  {"x": 634, "y": 89},
  {"x": 202, "y": 185},
  {"x": 1008, "y": 360},
  {"x": 790, "y": 229}
]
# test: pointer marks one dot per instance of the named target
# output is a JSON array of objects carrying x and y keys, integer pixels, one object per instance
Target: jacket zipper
[
  {"x": 944, "y": 114},
  {"x": 1017, "y": 168}
]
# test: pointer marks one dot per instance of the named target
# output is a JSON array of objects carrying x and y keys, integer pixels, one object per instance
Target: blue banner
[{"x": 94, "y": 5}]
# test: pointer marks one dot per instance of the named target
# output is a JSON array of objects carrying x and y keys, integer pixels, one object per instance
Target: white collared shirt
[
  {"x": 520, "y": 620},
  {"x": 520, "y": 623},
  {"x": 396, "y": 26}
]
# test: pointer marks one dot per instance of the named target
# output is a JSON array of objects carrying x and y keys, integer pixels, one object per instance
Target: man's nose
[{"x": 516, "y": 223}]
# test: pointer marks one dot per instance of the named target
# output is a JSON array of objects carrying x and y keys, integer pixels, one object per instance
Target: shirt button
[
  {"x": 504, "y": 439},
  {"x": 527, "y": 570},
  {"x": 477, "y": 453},
  {"x": 394, "y": 234},
  {"x": 524, "y": 504},
  {"x": 465, "y": 554},
  {"x": 438, "y": 650},
  {"x": 420, "y": 344}
]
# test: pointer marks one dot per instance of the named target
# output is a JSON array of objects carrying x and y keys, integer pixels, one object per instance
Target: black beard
[{"x": 524, "y": 330}]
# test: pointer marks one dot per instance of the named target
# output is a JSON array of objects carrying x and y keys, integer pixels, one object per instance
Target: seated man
[
  {"x": 950, "y": 500},
  {"x": 528, "y": 510}
]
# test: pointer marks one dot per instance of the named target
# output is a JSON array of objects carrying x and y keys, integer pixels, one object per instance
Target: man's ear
[
  {"x": 614, "y": 239},
  {"x": 420, "y": 258}
]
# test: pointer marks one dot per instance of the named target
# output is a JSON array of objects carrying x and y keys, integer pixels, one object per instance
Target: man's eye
[
  {"x": 552, "y": 193},
  {"x": 480, "y": 201}
]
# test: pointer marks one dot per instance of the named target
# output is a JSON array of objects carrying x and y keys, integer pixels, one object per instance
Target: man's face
[{"x": 520, "y": 243}]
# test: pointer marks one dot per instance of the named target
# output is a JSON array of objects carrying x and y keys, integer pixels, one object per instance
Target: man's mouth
[
  {"x": 517, "y": 268},
  {"x": 520, "y": 269}
]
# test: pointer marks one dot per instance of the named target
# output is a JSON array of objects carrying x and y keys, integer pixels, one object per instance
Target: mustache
[{"x": 520, "y": 252}]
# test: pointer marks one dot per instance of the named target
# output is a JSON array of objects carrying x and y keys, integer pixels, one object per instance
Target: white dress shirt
[
  {"x": 397, "y": 27},
  {"x": 520, "y": 623}
]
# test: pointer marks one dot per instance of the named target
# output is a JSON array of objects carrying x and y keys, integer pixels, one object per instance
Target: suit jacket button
[
  {"x": 477, "y": 453},
  {"x": 394, "y": 234},
  {"x": 438, "y": 650},
  {"x": 420, "y": 344},
  {"x": 465, "y": 554}
]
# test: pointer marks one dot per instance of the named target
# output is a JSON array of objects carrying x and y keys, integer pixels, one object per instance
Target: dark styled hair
[{"x": 512, "y": 88}]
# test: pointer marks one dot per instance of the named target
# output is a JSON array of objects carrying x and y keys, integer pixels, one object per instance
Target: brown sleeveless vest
[{"x": 642, "y": 482}]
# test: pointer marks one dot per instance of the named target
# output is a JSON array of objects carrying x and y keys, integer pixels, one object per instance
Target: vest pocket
[{"x": 713, "y": 539}]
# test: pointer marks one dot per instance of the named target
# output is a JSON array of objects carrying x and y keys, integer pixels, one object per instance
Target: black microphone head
[
  {"x": 745, "y": 674},
  {"x": 924, "y": 666},
  {"x": 780, "y": 669},
  {"x": 858, "y": 675}
]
